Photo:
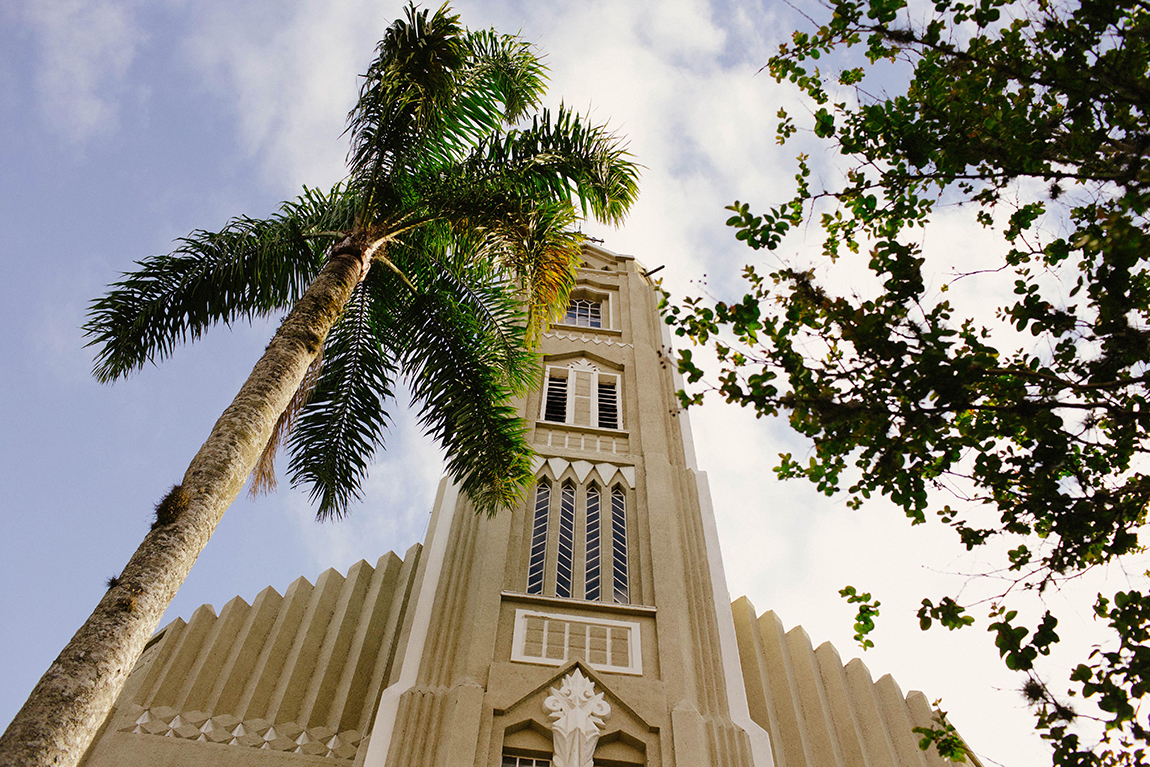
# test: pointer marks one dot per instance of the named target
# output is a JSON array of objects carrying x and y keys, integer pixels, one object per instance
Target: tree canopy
[{"x": 1023, "y": 425}]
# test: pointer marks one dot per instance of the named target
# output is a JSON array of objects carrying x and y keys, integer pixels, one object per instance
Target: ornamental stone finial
[{"x": 578, "y": 712}]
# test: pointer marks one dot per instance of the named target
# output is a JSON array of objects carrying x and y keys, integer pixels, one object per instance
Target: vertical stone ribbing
[
  {"x": 821, "y": 736},
  {"x": 418, "y": 728},
  {"x": 880, "y": 750},
  {"x": 285, "y": 702},
  {"x": 708, "y": 668},
  {"x": 183, "y": 656},
  {"x": 781, "y": 679},
  {"x": 245, "y": 652},
  {"x": 752, "y": 660},
  {"x": 461, "y": 725},
  {"x": 819, "y": 712},
  {"x": 439, "y": 665},
  {"x": 842, "y": 712},
  {"x": 254, "y": 701},
  {"x": 366, "y": 646},
  {"x": 385, "y": 663},
  {"x": 333, "y": 653},
  {"x": 206, "y": 670},
  {"x": 898, "y": 722}
]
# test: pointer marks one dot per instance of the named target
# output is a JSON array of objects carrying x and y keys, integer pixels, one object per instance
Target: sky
[{"x": 125, "y": 124}]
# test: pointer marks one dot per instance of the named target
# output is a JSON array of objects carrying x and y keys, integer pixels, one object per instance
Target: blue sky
[{"x": 124, "y": 125}]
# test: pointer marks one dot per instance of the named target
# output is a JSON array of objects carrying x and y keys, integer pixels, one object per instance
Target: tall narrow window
[
  {"x": 565, "y": 564},
  {"x": 555, "y": 406},
  {"x": 608, "y": 403},
  {"x": 539, "y": 538},
  {"x": 581, "y": 311},
  {"x": 619, "y": 546},
  {"x": 591, "y": 581}
]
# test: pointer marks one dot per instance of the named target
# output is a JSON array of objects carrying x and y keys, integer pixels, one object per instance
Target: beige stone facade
[{"x": 592, "y": 626}]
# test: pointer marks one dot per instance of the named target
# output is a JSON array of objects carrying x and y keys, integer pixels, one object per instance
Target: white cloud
[
  {"x": 86, "y": 48},
  {"x": 289, "y": 73}
]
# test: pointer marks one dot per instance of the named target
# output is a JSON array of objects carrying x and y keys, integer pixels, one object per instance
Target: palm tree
[{"x": 440, "y": 259}]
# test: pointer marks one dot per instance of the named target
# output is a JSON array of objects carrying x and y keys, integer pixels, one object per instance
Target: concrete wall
[
  {"x": 288, "y": 679},
  {"x": 821, "y": 713}
]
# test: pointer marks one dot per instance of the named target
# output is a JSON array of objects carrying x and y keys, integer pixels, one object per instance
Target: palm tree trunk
[{"x": 72, "y": 699}]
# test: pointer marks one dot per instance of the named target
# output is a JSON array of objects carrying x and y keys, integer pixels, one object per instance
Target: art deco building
[{"x": 592, "y": 626}]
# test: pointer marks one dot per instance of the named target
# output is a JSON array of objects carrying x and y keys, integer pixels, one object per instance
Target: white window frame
[
  {"x": 565, "y": 372},
  {"x": 634, "y": 641},
  {"x": 603, "y": 298}
]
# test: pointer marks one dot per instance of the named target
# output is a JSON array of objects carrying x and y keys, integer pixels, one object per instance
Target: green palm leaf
[
  {"x": 465, "y": 400},
  {"x": 342, "y": 426},
  {"x": 250, "y": 268},
  {"x": 564, "y": 157}
]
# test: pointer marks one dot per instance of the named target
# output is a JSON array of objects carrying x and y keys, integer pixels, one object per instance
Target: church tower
[
  {"x": 592, "y": 626},
  {"x": 608, "y": 585}
]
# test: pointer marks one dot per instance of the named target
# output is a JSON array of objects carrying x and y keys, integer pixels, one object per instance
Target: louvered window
[
  {"x": 619, "y": 546},
  {"x": 608, "y": 404},
  {"x": 538, "y": 556},
  {"x": 591, "y": 588},
  {"x": 581, "y": 395},
  {"x": 566, "y": 562},
  {"x": 555, "y": 406}
]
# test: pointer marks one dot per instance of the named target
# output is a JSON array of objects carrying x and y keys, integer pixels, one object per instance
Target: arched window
[
  {"x": 584, "y": 312},
  {"x": 539, "y": 538},
  {"x": 619, "y": 546},
  {"x": 591, "y": 587},
  {"x": 588, "y": 308},
  {"x": 581, "y": 552},
  {"x": 566, "y": 561}
]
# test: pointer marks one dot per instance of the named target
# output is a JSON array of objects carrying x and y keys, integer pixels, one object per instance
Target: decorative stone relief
[
  {"x": 578, "y": 712},
  {"x": 607, "y": 471},
  {"x": 587, "y": 338},
  {"x": 253, "y": 733}
]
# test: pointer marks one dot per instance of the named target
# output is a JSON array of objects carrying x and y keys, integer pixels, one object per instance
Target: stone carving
[
  {"x": 253, "y": 733},
  {"x": 578, "y": 712}
]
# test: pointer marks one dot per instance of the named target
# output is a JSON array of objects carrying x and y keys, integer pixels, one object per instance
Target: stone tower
[{"x": 592, "y": 626}]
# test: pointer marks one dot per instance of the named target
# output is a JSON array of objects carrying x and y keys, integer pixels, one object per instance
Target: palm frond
[
  {"x": 542, "y": 249},
  {"x": 407, "y": 96},
  {"x": 465, "y": 403},
  {"x": 342, "y": 425},
  {"x": 250, "y": 268},
  {"x": 506, "y": 71},
  {"x": 564, "y": 157},
  {"x": 480, "y": 285},
  {"x": 433, "y": 92}
]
